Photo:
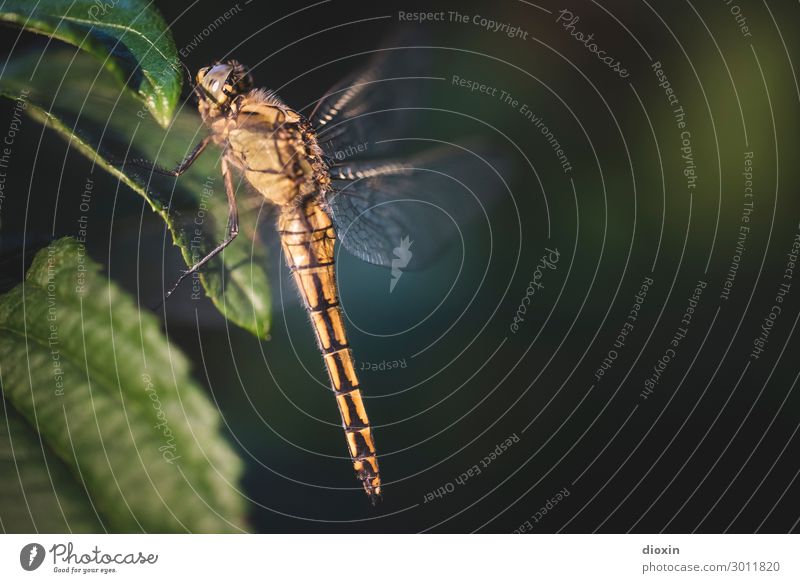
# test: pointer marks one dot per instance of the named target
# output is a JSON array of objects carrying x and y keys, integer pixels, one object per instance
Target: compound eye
[{"x": 214, "y": 85}]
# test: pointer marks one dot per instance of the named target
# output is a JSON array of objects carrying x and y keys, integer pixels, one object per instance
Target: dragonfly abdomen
[{"x": 308, "y": 237}]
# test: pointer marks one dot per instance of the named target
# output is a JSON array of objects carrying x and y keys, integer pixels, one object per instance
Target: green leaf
[
  {"x": 89, "y": 107},
  {"x": 113, "y": 400},
  {"x": 128, "y": 36},
  {"x": 37, "y": 491}
]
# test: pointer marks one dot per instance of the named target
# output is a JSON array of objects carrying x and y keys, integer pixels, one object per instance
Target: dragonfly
[{"x": 294, "y": 163}]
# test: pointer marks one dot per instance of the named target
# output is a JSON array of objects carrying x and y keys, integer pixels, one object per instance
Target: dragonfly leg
[
  {"x": 232, "y": 230},
  {"x": 178, "y": 170}
]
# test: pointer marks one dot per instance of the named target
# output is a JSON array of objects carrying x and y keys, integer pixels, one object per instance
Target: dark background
[{"x": 713, "y": 449}]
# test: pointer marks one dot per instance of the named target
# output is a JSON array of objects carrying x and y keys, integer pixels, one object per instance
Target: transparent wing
[
  {"x": 376, "y": 101},
  {"x": 408, "y": 213}
]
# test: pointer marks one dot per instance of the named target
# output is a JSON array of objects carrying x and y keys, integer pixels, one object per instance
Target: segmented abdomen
[{"x": 307, "y": 237}]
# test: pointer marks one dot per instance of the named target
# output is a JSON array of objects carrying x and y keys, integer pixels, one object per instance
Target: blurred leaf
[
  {"x": 114, "y": 400},
  {"x": 95, "y": 115},
  {"x": 37, "y": 492},
  {"x": 128, "y": 36}
]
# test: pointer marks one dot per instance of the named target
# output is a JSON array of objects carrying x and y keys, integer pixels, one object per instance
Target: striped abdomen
[{"x": 307, "y": 237}]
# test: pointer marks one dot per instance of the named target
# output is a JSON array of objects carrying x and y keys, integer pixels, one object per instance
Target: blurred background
[{"x": 605, "y": 424}]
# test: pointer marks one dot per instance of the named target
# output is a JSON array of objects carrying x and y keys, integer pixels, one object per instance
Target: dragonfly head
[{"x": 219, "y": 84}]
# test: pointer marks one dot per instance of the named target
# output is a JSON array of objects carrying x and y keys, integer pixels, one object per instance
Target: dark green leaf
[
  {"x": 128, "y": 36},
  {"x": 37, "y": 491},
  {"x": 90, "y": 107},
  {"x": 113, "y": 400}
]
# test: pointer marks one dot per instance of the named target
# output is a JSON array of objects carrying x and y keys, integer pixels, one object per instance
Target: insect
[{"x": 293, "y": 162}]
